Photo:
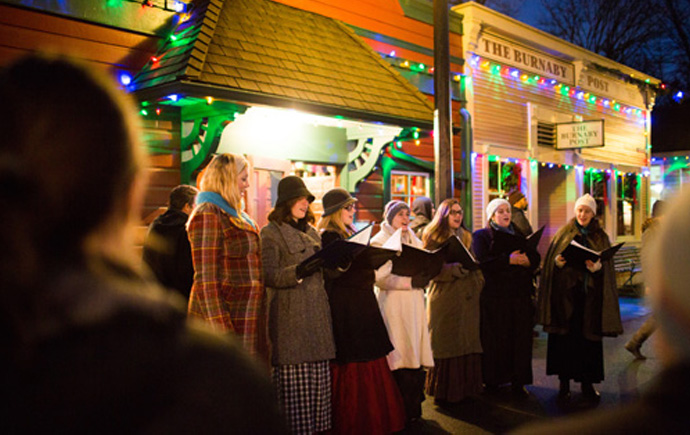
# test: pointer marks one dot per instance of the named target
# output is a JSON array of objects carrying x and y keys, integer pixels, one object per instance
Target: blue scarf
[{"x": 216, "y": 199}]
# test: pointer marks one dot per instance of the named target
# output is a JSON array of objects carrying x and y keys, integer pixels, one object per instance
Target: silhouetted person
[
  {"x": 650, "y": 230},
  {"x": 166, "y": 250},
  {"x": 88, "y": 345},
  {"x": 518, "y": 206}
]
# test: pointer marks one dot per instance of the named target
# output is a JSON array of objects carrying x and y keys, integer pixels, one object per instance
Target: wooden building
[{"x": 556, "y": 121}]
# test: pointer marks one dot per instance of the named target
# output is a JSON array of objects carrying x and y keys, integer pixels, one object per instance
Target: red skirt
[
  {"x": 453, "y": 379},
  {"x": 366, "y": 399}
]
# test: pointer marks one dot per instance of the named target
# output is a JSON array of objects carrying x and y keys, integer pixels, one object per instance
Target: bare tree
[
  {"x": 676, "y": 16},
  {"x": 619, "y": 30}
]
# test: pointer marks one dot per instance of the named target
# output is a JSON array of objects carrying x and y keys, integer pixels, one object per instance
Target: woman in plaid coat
[{"x": 228, "y": 290}]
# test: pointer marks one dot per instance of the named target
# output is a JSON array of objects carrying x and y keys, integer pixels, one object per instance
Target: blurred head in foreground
[
  {"x": 70, "y": 167},
  {"x": 669, "y": 281}
]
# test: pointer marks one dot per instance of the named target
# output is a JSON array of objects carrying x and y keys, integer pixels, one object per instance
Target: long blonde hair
[
  {"x": 220, "y": 176},
  {"x": 334, "y": 222}
]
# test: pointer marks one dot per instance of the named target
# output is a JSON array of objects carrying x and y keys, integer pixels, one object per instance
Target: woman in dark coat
[
  {"x": 507, "y": 312},
  {"x": 578, "y": 305},
  {"x": 366, "y": 398},
  {"x": 299, "y": 317}
]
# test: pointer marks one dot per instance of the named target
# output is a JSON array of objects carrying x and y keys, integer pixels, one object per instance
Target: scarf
[
  {"x": 509, "y": 229},
  {"x": 215, "y": 199}
]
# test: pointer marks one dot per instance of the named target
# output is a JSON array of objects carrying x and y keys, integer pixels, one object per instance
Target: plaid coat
[{"x": 228, "y": 290}]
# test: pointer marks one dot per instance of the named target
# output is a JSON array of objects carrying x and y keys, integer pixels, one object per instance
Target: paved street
[{"x": 500, "y": 413}]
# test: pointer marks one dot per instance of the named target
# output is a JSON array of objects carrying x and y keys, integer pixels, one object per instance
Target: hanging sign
[
  {"x": 526, "y": 59},
  {"x": 585, "y": 134}
]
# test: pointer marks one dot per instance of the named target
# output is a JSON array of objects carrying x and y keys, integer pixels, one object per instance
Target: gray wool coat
[{"x": 299, "y": 316}]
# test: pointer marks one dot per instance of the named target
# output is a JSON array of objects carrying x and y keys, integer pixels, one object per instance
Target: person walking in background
[
  {"x": 650, "y": 229},
  {"x": 453, "y": 310},
  {"x": 507, "y": 313},
  {"x": 89, "y": 345},
  {"x": 299, "y": 318},
  {"x": 166, "y": 249},
  {"x": 401, "y": 299},
  {"x": 228, "y": 290},
  {"x": 422, "y": 212},
  {"x": 578, "y": 306},
  {"x": 366, "y": 399},
  {"x": 518, "y": 207},
  {"x": 662, "y": 407}
]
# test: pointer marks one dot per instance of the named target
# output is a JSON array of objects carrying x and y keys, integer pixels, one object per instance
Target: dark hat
[
  {"x": 514, "y": 197},
  {"x": 335, "y": 199},
  {"x": 292, "y": 187}
]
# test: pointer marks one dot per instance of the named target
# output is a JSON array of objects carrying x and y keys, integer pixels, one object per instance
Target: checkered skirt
[{"x": 304, "y": 393}]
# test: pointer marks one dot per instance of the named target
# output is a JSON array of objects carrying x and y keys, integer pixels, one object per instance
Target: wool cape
[{"x": 602, "y": 312}]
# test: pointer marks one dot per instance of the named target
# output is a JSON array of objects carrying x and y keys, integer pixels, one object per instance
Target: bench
[{"x": 627, "y": 264}]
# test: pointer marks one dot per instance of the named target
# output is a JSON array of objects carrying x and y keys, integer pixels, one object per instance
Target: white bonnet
[
  {"x": 587, "y": 200},
  {"x": 493, "y": 205}
]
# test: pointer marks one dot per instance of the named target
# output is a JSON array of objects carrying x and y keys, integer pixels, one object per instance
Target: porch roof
[{"x": 262, "y": 52}]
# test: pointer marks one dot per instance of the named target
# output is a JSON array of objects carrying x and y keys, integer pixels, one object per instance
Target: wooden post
[{"x": 443, "y": 140}]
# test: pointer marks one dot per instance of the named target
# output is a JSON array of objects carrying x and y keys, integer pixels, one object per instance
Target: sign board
[
  {"x": 604, "y": 86},
  {"x": 525, "y": 59},
  {"x": 585, "y": 134}
]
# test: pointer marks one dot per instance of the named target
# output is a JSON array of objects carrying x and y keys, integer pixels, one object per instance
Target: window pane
[{"x": 399, "y": 184}]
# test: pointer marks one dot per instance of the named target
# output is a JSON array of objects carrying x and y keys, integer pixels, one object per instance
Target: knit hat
[
  {"x": 515, "y": 197},
  {"x": 669, "y": 275},
  {"x": 493, "y": 205},
  {"x": 392, "y": 209},
  {"x": 587, "y": 200},
  {"x": 335, "y": 199},
  {"x": 292, "y": 187}
]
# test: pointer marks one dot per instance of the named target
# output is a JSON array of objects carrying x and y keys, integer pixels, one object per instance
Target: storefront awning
[{"x": 262, "y": 52}]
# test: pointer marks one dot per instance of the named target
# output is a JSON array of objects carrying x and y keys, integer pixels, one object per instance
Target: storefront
[{"x": 555, "y": 121}]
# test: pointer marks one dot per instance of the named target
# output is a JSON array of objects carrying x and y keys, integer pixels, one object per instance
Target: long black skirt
[{"x": 572, "y": 356}]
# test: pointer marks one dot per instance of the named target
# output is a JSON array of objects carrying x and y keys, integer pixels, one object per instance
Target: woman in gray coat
[{"x": 299, "y": 317}]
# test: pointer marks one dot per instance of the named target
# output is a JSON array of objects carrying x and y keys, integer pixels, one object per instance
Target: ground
[{"x": 500, "y": 412}]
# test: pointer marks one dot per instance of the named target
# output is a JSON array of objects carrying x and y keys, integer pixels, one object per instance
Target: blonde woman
[
  {"x": 228, "y": 290},
  {"x": 365, "y": 396},
  {"x": 453, "y": 311}
]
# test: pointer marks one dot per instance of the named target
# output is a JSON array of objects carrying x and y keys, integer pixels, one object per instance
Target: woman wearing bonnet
[{"x": 578, "y": 306}]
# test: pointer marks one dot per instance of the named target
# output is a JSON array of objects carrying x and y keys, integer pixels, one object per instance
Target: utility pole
[{"x": 443, "y": 136}]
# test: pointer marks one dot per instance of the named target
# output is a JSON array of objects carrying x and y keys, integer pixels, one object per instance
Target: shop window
[
  {"x": 596, "y": 185},
  {"x": 407, "y": 186},
  {"x": 504, "y": 177},
  {"x": 626, "y": 201}
]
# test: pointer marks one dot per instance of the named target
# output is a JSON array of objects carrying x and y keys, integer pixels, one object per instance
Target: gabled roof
[{"x": 259, "y": 51}]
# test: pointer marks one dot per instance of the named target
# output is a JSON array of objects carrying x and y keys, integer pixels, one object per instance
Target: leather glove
[
  {"x": 305, "y": 270},
  {"x": 421, "y": 280}
]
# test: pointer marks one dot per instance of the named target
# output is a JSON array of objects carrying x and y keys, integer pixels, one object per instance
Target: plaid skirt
[{"x": 304, "y": 394}]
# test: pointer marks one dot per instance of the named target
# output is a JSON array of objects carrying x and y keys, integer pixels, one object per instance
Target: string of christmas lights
[
  {"x": 476, "y": 62},
  {"x": 544, "y": 164}
]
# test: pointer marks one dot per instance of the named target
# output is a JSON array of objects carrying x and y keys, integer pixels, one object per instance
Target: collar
[{"x": 216, "y": 199}]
